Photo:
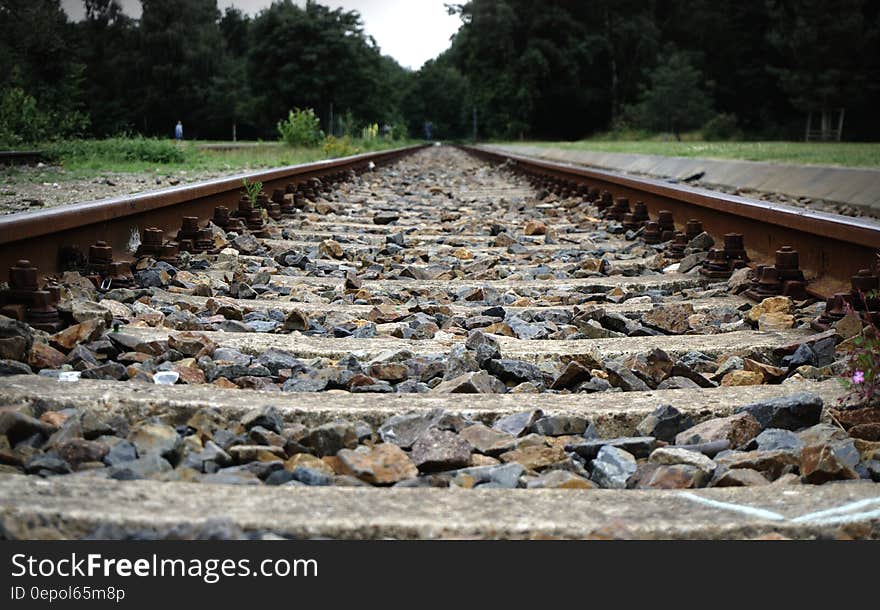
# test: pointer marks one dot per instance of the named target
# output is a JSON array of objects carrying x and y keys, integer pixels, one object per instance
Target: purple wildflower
[{"x": 858, "y": 377}]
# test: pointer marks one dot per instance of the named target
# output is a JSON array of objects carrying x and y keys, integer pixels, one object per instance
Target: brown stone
[
  {"x": 296, "y": 320},
  {"x": 655, "y": 365},
  {"x": 674, "y": 476},
  {"x": 822, "y": 463},
  {"x": 775, "y": 321},
  {"x": 77, "y": 451},
  {"x": 222, "y": 382},
  {"x": 671, "y": 318},
  {"x": 849, "y": 325},
  {"x": 478, "y": 459},
  {"x": 330, "y": 248},
  {"x": 307, "y": 460},
  {"x": 736, "y": 429},
  {"x": 780, "y": 305},
  {"x": 44, "y": 356},
  {"x": 772, "y": 464},
  {"x": 535, "y": 227},
  {"x": 740, "y": 477},
  {"x": 479, "y": 382},
  {"x": 742, "y": 377},
  {"x": 384, "y": 464},
  {"x": 133, "y": 357},
  {"x": 561, "y": 479},
  {"x": 53, "y": 418},
  {"x": 72, "y": 336},
  {"x": 192, "y": 344},
  {"x": 769, "y": 373},
  {"x": 535, "y": 457},
  {"x": 389, "y": 371},
  {"x": 487, "y": 440},
  {"x": 189, "y": 371},
  {"x": 256, "y": 453}
]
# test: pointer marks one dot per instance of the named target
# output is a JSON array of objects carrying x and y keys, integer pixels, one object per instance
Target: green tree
[
  {"x": 437, "y": 94},
  {"x": 179, "y": 55},
  {"x": 317, "y": 57},
  {"x": 675, "y": 100},
  {"x": 38, "y": 69},
  {"x": 105, "y": 39},
  {"x": 827, "y": 52}
]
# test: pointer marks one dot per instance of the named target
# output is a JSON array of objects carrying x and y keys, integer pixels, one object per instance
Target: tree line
[{"x": 515, "y": 69}]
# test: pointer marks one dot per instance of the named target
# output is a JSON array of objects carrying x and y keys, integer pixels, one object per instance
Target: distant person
[
  {"x": 178, "y": 131},
  {"x": 429, "y": 129}
]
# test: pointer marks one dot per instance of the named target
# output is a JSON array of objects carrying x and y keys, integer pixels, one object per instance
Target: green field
[
  {"x": 852, "y": 154},
  {"x": 88, "y": 159},
  {"x": 85, "y": 158}
]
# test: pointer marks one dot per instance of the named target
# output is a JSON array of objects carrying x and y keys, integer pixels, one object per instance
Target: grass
[
  {"x": 850, "y": 154},
  {"x": 86, "y": 159}
]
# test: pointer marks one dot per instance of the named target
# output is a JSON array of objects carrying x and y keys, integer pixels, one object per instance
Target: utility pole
[{"x": 475, "y": 124}]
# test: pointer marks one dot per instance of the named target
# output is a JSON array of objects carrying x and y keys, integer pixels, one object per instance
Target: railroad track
[
  {"x": 20, "y": 157},
  {"x": 617, "y": 388}
]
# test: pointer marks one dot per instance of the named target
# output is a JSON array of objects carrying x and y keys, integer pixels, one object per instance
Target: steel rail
[
  {"x": 39, "y": 236},
  {"x": 832, "y": 248}
]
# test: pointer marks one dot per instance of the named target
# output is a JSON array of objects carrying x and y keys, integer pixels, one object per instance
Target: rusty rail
[
  {"x": 39, "y": 236},
  {"x": 832, "y": 248}
]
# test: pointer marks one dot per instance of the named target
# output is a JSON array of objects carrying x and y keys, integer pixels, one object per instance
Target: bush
[
  {"x": 302, "y": 128},
  {"x": 118, "y": 150},
  {"x": 721, "y": 127},
  {"x": 23, "y": 121},
  {"x": 339, "y": 147}
]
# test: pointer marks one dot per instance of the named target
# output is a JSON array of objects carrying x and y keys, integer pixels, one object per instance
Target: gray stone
[
  {"x": 47, "y": 464},
  {"x": 517, "y": 424},
  {"x": 793, "y": 412},
  {"x": 18, "y": 426},
  {"x": 307, "y": 381},
  {"x": 703, "y": 241},
  {"x": 230, "y": 355},
  {"x": 440, "y": 450},
  {"x": 514, "y": 371},
  {"x": 505, "y": 476},
  {"x": 675, "y": 455},
  {"x": 120, "y": 452},
  {"x": 141, "y": 468},
  {"x": 485, "y": 345},
  {"x": 310, "y": 476},
  {"x": 460, "y": 361},
  {"x": 14, "y": 367},
  {"x": 613, "y": 467},
  {"x": 160, "y": 439},
  {"x": 573, "y": 374},
  {"x": 773, "y": 439},
  {"x": 276, "y": 359},
  {"x": 664, "y": 423},
  {"x": 329, "y": 439},
  {"x": 677, "y": 383},
  {"x": 558, "y": 425},
  {"x": 110, "y": 371},
  {"x": 403, "y": 430},
  {"x": 471, "y": 383},
  {"x": 639, "y": 446},
  {"x": 621, "y": 377},
  {"x": 267, "y": 417}
]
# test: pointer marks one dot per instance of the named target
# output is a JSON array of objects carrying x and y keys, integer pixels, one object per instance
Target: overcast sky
[{"x": 410, "y": 31}]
